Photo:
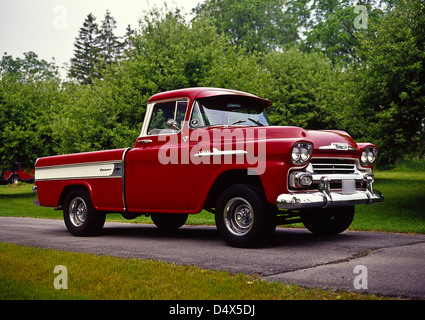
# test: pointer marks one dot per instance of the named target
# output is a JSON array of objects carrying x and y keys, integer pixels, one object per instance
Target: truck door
[{"x": 155, "y": 173}]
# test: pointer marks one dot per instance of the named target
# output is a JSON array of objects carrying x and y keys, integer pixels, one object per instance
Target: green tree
[
  {"x": 26, "y": 109},
  {"x": 234, "y": 69},
  {"x": 304, "y": 90},
  {"x": 110, "y": 48},
  {"x": 388, "y": 88},
  {"x": 255, "y": 24},
  {"x": 30, "y": 68},
  {"x": 84, "y": 64},
  {"x": 29, "y": 90},
  {"x": 175, "y": 53},
  {"x": 334, "y": 25},
  {"x": 127, "y": 43},
  {"x": 93, "y": 118}
]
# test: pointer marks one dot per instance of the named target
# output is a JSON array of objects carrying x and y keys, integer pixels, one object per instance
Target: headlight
[
  {"x": 296, "y": 155},
  {"x": 369, "y": 156},
  {"x": 301, "y": 153}
]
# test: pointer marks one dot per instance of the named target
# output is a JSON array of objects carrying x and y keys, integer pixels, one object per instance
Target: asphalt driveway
[{"x": 373, "y": 262}]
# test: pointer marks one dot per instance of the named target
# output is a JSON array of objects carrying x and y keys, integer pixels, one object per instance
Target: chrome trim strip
[
  {"x": 123, "y": 179},
  {"x": 331, "y": 166},
  {"x": 35, "y": 196},
  {"x": 217, "y": 152},
  {"x": 80, "y": 178},
  {"x": 338, "y": 146}
]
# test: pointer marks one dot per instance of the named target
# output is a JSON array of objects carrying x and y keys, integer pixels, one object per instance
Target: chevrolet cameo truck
[{"x": 214, "y": 149}]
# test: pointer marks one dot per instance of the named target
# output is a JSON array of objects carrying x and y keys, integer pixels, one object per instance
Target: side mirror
[{"x": 172, "y": 124}]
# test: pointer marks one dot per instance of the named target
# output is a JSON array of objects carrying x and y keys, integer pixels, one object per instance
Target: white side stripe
[{"x": 80, "y": 171}]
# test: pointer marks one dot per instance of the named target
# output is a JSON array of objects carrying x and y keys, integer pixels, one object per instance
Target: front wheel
[
  {"x": 81, "y": 219},
  {"x": 243, "y": 217},
  {"x": 328, "y": 221}
]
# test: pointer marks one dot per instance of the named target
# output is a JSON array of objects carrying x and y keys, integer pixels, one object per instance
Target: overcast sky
[{"x": 49, "y": 27}]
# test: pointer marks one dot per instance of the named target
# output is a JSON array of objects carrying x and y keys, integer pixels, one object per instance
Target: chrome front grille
[
  {"x": 335, "y": 169},
  {"x": 333, "y": 166}
]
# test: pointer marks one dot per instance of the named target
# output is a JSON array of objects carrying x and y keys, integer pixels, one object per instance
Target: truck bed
[{"x": 100, "y": 172}]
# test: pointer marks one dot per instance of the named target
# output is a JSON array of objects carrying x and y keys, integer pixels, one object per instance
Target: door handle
[{"x": 144, "y": 141}]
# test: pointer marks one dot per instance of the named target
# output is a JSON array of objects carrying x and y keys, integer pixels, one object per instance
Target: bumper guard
[{"x": 325, "y": 198}]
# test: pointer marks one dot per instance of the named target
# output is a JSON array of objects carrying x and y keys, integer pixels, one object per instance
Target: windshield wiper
[
  {"x": 236, "y": 122},
  {"x": 257, "y": 122}
]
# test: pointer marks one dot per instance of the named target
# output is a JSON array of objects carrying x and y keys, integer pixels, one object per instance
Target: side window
[
  {"x": 167, "y": 117},
  {"x": 181, "y": 107}
]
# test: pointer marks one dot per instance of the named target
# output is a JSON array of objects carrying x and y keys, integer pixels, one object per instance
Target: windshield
[{"x": 233, "y": 110}]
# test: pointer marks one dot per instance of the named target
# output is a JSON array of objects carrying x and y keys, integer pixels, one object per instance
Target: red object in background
[{"x": 15, "y": 173}]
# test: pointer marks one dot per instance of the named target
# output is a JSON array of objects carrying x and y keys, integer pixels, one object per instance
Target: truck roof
[{"x": 203, "y": 92}]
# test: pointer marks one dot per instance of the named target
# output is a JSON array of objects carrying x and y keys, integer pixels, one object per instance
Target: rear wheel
[
  {"x": 243, "y": 217},
  {"x": 328, "y": 221},
  {"x": 81, "y": 219}
]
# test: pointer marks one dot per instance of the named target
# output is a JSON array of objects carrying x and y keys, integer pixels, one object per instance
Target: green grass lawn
[
  {"x": 403, "y": 209},
  {"x": 27, "y": 273}
]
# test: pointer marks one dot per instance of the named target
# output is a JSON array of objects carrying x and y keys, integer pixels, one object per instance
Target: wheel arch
[
  {"x": 228, "y": 178},
  {"x": 68, "y": 188}
]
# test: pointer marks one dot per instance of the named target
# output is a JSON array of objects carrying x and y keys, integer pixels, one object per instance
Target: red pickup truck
[{"x": 214, "y": 149}]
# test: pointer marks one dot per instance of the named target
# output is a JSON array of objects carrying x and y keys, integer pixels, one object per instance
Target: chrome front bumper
[{"x": 324, "y": 197}]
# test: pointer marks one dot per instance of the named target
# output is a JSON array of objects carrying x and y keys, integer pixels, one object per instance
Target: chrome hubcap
[
  {"x": 77, "y": 211},
  {"x": 238, "y": 216}
]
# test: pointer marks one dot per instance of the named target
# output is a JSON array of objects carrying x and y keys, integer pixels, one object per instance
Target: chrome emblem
[{"x": 337, "y": 146}]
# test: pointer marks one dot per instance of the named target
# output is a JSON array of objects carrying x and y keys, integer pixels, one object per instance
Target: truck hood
[
  {"x": 323, "y": 140},
  {"x": 332, "y": 140}
]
